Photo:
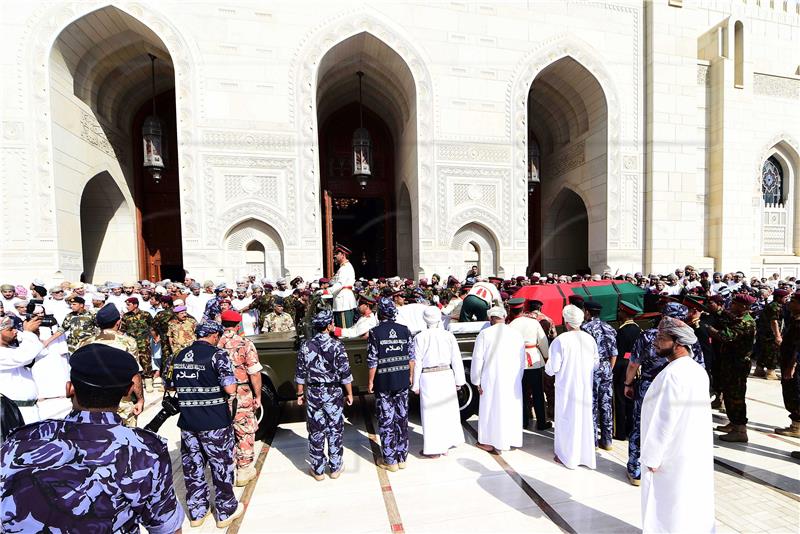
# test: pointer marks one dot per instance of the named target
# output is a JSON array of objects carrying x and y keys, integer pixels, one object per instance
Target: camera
[
  {"x": 169, "y": 407},
  {"x": 48, "y": 320}
]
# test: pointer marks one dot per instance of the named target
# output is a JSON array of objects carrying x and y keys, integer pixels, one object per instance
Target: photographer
[
  {"x": 16, "y": 379},
  {"x": 51, "y": 370}
]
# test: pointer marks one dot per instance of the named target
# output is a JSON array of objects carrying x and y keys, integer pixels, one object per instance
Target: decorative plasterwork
[
  {"x": 247, "y": 141},
  {"x": 778, "y": 86},
  {"x": 764, "y": 153},
  {"x": 473, "y": 213},
  {"x": 249, "y": 170},
  {"x": 564, "y": 161},
  {"x": 303, "y": 87},
  {"x": 102, "y": 138},
  {"x": 702, "y": 75},
  {"x": 33, "y": 60},
  {"x": 474, "y": 152},
  {"x": 257, "y": 211}
]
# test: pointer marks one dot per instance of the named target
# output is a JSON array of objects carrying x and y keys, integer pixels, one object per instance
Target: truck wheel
[
  {"x": 269, "y": 414},
  {"x": 468, "y": 399}
]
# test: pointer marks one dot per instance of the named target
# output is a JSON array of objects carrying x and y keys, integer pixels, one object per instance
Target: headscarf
[
  {"x": 387, "y": 308},
  {"x": 677, "y": 329},
  {"x": 496, "y": 311},
  {"x": 208, "y": 328},
  {"x": 432, "y": 316},
  {"x": 322, "y": 319},
  {"x": 675, "y": 310},
  {"x": 573, "y": 315}
]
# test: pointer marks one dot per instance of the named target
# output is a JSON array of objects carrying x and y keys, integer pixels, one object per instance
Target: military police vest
[
  {"x": 393, "y": 344},
  {"x": 202, "y": 402}
]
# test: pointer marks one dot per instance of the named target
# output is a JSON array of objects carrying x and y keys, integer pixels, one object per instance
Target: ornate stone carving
[
  {"x": 253, "y": 210},
  {"x": 702, "y": 75},
  {"x": 777, "y": 86},
  {"x": 250, "y": 141},
  {"x": 103, "y": 138},
  {"x": 251, "y": 186},
  {"x": 570, "y": 158},
  {"x": 33, "y": 58},
  {"x": 476, "y": 194},
  {"x": 302, "y": 90},
  {"x": 13, "y": 130},
  {"x": 482, "y": 153}
]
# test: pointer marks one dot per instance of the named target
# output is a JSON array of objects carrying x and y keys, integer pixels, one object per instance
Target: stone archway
[
  {"x": 566, "y": 231},
  {"x": 471, "y": 242},
  {"x": 253, "y": 246},
  {"x": 107, "y": 230}
]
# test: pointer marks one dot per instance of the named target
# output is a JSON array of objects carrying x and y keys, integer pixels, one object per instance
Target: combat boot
[
  {"x": 148, "y": 385},
  {"x": 771, "y": 375},
  {"x": 792, "y": 430},
  {"x": 760, "y": 372},
  {"x": 737, "y": 435},
  {"x": 231, "y": 518},
  {"x": 724, "y": 428},
  {"x": 245, "y": 475}
]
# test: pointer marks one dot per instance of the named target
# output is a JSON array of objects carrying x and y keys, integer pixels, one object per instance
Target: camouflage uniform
[
  {"x": 769, "y": 350},
  {"x": 115, "y": 339},
  {"x": 263, "y": 304},
  {"x": 322, "y": 366},
  {"x": 290, "y": 307},
  {"x": 180, "y": 335},
  {"x": 93, "y": 475},
  {"x": 78, "y": 327},
  {"x": 212, "y": 311},
  {"x": 606, "y": 338},
  {"x": 160, "y": 325},
  {"x": 244, "y": 359},
  {"x": 737, "y": 336},
  {"x": 278, "y": 323},
  {"x": 138, "y": 325}
]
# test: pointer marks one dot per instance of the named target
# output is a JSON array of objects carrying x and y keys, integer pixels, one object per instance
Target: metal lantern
[
  {"x": 533, "y": 167},
  {"x": 362, "y": 145},
  {"x": 152, "y": 135}
]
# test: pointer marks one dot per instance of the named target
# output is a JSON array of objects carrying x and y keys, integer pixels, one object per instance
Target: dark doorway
[
  {"x": 362, "y": 219},
  {"x": 158, "y": 205}
]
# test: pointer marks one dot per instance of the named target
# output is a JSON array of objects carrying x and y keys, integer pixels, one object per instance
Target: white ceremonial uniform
[
  {"x": 573, "y": 357},
  {"x": 441, "y": 420},
  {"x": 677, "y": 441},
  {"x": 410, "y": 315},
  {"x": 453, "y": 308},
  {"x": 498, "y": 360},
  {"x": 16, "y": 380},
  {"x": 362, "y": 326},
  {"x": 341, "y": 288},
  {"x": 536, "y": 345},
  {"x": 488, "y": 292}
]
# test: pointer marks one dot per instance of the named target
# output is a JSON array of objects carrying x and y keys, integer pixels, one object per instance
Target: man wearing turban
[
  {"x": 677, "y": 455},
  {"x": 573, "y": 358}
]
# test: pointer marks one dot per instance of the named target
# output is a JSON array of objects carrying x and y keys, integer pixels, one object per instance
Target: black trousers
[
  {"x": 533, "y": 396},
  {"x": 623, "y": 406}
]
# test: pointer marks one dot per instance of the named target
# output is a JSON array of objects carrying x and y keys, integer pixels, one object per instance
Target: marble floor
[{"x": 757, "y": 484}]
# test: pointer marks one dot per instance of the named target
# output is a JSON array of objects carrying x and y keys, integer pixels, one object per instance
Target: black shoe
[{"x": 547, "y": 425}]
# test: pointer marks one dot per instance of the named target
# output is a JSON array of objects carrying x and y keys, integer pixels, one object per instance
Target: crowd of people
[{"x": 78, "y": 360}]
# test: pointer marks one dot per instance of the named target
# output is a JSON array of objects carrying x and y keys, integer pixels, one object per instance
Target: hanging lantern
[
  {"x": 152, "y": 135},
  {"x": 533, "y": 167},
  {"x": 362, "y": 145}
]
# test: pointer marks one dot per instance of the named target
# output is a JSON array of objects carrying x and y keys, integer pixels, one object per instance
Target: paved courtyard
[{"x": 757, "y": 484}]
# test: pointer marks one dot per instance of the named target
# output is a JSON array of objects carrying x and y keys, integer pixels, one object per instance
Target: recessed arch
[
  {"x": 778, "y": 227},
  {"x": 566, "y": 231},
  {"x": 254, "y": 246},
  {"x": 474, "y": 238}
]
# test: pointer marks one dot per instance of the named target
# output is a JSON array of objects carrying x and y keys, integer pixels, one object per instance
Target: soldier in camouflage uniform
[
  {"x": 606, "y": 338},
  {"x": 247, "y": 370},
  {"x": 645, "y": 360},
  {"x": 138, "y": 325},
  {"x": 263, "y": 304},
  {"x": 180, "y": 334},
  {"x": 87, "y": 472},
  {"x": 78, "y": 325},
  {"x": 278, "y": 320},
  {"x": 768, "y": 334},
  {"x": 108, "y": 321},
  {"x": 322, "y": 370},
  {"x": 737, "y": 333}
]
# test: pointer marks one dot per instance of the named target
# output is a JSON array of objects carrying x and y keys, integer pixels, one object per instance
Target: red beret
[
  {"x": 132, "y": 300},
  {"x": 231, "y": 316},
  {"x": 324, "y": 281},
  {"x": 744, "y": 298},
  {"x": 717, "y": 299},
  {"x": 780, "y": 293}
]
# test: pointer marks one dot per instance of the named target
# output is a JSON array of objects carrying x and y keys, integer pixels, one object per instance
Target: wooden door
[{"x": 327, "y": 231}]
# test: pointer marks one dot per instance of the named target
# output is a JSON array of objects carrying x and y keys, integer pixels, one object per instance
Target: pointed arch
[
  {"x": 475, "y": 237},
  {"x": 253, "y": 246},
  {"x": 778, "y": 225}
]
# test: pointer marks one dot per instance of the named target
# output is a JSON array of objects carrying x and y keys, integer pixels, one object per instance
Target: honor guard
[
  {"x": 322, "y": 370},
  {"x": 606, "y": 338},
  {"x": 536, "y": 347},
  {"x": 341, "y": 287},
  {"x": 626, "y": 336},
  {"x": 390, "y": 359}
]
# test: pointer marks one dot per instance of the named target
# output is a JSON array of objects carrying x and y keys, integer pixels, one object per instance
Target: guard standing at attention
[
  {"x": 606, "y": 338},
  {"x": 322, "y": 370},
  {"x": 626, "y": 336},
  {"x": 344, "y": 300},
  {"x": 390, "y": 359}
]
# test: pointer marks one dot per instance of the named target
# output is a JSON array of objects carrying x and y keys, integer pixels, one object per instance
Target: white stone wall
[{"x": 246, "y": 82}]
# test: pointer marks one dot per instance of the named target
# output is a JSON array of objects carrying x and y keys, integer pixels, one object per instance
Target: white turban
[
  {"x": 573, "y": 315},
  {"x": 432, "y": 316},
  {"x": 677, "y": 329},
  {"x": 497, "y": 311}
]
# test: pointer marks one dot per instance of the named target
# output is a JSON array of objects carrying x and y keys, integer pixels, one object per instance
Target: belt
[
  {"x": 435, "y": 369},
  {"x": 531, "y": 346},
  {"x": 26, "y": 404},
  {"x": 320, "y": 384}
]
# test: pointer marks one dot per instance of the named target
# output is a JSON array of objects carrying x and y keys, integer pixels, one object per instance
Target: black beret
[
  {"x": 592, "y": 305},
  {"x": 77, "y": 299},
  {"x": 278, "y": 301},
  {"x": 101, "y": 365},
  {"x": 108, "y": 314}
]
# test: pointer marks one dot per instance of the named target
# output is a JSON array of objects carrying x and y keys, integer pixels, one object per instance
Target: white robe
[
  {"x": 410, "y": 315},
  {"x": 498, "y": 360},
  {"x": 678, "y": 442},
  {"x": 441, "y": 419},
  {"x": 572, "y": 359},
  {"x": 16, "y": 379}
]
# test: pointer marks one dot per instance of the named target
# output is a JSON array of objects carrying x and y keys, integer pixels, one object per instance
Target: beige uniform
[{"x": 278, "y": 322}]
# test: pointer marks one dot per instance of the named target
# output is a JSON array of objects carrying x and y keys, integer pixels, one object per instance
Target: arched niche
[
  {"x": 253, "y": 246},
  {"x": 472, "y": 242}
]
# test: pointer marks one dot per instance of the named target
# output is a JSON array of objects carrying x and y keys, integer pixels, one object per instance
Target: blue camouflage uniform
[
  {"x": 87, "y": 473},
  {"x": 322, "y": 368},
  {"x": 606, "y": 338},
  {"x": 390, "y": 351},
  {"x": 650, "y": 364},
  {"x": 212, "y": 311},
  {"x": 200, "y": 372}
]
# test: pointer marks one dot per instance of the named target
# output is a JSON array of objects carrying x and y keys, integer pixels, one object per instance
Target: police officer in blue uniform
[
  {"x": 390, "y": 359},
  {"x": 203, "y": 378},
  {"x": 606, "y": 338},
  {"x": 645, "y": 359},
  {"x": 322, "y": 369},
  {"x": 89, "y": 472}
]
